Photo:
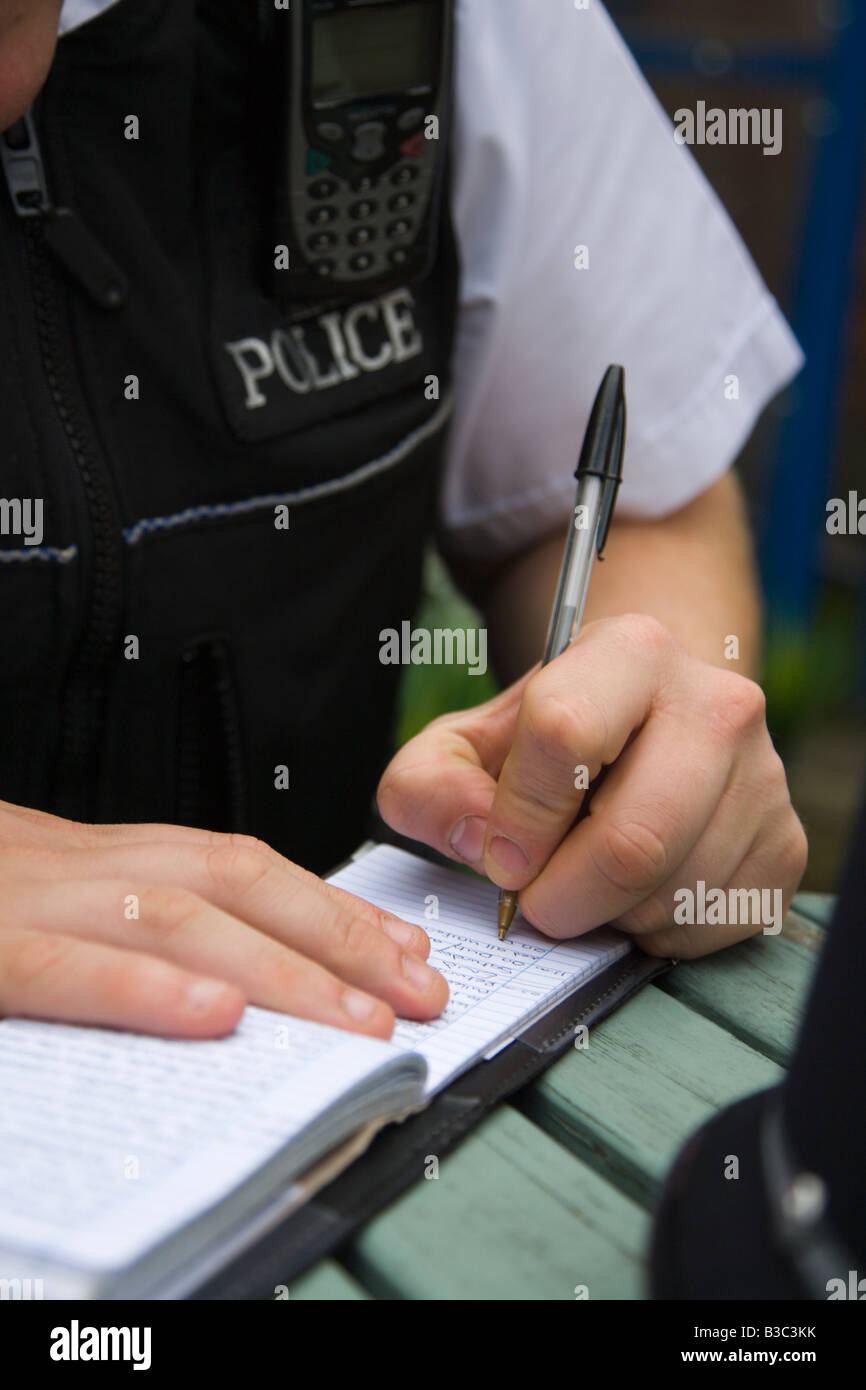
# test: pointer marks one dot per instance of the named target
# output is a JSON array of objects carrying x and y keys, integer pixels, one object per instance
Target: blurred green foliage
[
  {"x": 427, "y": 691},
  {"x": 809, "y": 676},
  {"x": 812, "y": 675}
]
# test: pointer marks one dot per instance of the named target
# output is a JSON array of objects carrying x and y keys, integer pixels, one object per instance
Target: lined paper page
[
  {"x": 108, "y": 1140},
  {"x": 497, "y": 987}
]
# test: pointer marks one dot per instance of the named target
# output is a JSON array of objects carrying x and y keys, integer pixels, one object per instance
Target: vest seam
[
  {"x": 134, "y": 534},
  {"x": 220, "y": 511}
]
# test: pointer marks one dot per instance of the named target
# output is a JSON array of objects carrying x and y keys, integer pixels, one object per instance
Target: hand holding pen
[
  {"x": 598, "y": 473},
  {"x": 693, "y": 789}
]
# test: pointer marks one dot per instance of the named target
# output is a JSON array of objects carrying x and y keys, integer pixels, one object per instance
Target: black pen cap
[{"x": 603, "y": 444}]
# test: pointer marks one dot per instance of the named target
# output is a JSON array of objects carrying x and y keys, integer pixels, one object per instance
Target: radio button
[
  {"x": 411, "y": 118},
  {"x": 322, "y": 241},
  {"x": 330, "y": 131},
  {"x": 316, "y": 162},
  {"x": 361, "y": 236},
  {"x": 401, "y": 201},
  {"x": 321, "y": 216},
  {"x": 413, "y": 148},
  {"x": 323, "y": 188},
  {"x": 407, "y": 173},
  {"x": 369, "y": 141},
  {"x": 363, "y": 261},
  {"x": 365, "y": 207},
  {"x": 402, "y": 227}
]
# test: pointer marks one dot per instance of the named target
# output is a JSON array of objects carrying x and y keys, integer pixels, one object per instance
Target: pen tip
[{"x": 505, "y": 915}]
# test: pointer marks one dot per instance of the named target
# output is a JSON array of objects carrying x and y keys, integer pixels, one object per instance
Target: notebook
[{"x": 136, "y": 1167}]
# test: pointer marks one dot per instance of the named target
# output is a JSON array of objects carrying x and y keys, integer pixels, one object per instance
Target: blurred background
[{"x": 802, "y": 214}]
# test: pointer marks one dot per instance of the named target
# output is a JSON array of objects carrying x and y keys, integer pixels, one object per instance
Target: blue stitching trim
[
  {"x": 209, "y": 512},
  {"x": 213, "y": 511},
  {"x": 39, "y": 552}
]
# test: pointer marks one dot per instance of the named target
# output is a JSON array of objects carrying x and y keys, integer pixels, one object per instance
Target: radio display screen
[{"x": 373, "y": 51}]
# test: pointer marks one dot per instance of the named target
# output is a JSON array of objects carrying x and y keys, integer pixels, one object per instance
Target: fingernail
[
  {"x": 419, "y": 974},
  {"x": 204, "y": 994},
  {"x": 467, "y": 838},
  {"x": 358, "y": 1006},
  {"x": 401, "y": 932},
  {"x": 508, "y": 855}
]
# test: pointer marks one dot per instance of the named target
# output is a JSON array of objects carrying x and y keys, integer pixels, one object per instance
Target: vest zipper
[
  {"x": 75, "y": 247},
  {"x": 48, "y": 228}
]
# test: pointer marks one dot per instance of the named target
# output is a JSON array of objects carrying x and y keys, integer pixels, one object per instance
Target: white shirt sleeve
[
  {"x": 560, "y": 143},
  {"x": 74, "y": 13}
]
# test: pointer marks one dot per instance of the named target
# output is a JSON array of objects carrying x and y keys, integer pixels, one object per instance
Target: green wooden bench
[{"x": 554, "y": 1189}]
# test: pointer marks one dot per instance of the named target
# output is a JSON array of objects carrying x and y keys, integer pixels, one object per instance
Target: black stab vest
[{"x": 176, "y": 639}]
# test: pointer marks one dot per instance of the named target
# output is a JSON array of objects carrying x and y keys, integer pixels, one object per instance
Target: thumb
[
  {"x": 437, "y": 792},
  {"x": 440, "y": 787}
]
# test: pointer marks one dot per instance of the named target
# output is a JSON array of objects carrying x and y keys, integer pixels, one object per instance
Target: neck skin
[{"x": 28, "y": 38}]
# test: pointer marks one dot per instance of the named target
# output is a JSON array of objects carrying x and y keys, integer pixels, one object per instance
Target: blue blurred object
[{"x": 799, "y": 480}]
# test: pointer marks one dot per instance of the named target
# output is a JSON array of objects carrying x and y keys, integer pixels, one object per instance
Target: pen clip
[
  {"x": 613, "y": 478},
  {"x": 603, "y": 444}
]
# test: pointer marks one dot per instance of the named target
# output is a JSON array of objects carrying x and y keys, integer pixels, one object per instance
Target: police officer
[{"x": 171, "y": 651}]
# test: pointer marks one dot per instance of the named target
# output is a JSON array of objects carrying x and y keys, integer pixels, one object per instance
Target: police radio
[{"x": 362, "y": 143}]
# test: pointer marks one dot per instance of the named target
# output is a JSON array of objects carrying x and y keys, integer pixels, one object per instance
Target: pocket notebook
[{"x": 139, "y": 1167}]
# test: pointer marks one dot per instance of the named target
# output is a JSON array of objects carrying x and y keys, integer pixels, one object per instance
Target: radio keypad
[{"x": 347, "y": 217}]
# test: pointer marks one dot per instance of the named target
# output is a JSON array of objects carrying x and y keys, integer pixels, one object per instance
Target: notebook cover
[{"x": 395, "y": 1159}]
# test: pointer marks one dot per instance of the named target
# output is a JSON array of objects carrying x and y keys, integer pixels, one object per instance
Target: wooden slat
[
  {"x": 512, "y": 1215},
  {"x": 327, "y": 1281},
  {"x": 803, "y": 931},
  {"x": 755, "y": 990},
  {"x": 651, "y": 1073},
  {"x": 817, "y": 906}
]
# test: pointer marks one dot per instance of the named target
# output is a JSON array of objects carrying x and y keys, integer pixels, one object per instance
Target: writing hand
[{"x": 692, "y": 790}]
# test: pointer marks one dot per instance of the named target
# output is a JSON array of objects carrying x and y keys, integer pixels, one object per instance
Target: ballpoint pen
[{"x": 599, "y": 474}]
